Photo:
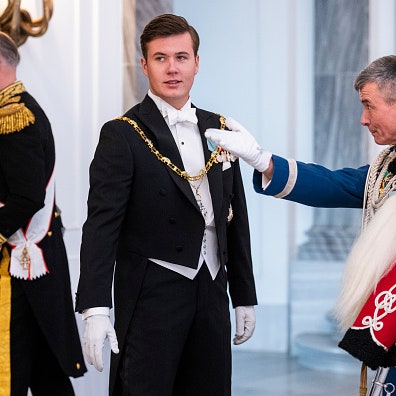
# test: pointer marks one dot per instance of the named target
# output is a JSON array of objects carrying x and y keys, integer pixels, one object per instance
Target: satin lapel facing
[
  {"x": 205, "y": 121},
  {"x": 152, "y": 118}
]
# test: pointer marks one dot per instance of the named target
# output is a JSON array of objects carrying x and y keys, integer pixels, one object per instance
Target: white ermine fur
[{"x": 371, "y": 257}]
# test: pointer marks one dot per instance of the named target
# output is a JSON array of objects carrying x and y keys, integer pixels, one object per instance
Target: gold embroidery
[
  {"x": 5, "y": 317},
  {"x": 11, "y": 92},
  {"x": 14, "y": 116},
  {"x": 376, "y": 191},
  {"x": 2, "y": 239}
]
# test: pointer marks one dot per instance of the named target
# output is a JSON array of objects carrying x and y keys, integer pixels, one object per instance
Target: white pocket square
[{"x": 226, "y": 165}]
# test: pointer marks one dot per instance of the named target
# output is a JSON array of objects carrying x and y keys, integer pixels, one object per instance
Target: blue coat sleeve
[{"x": 314, "y": 185}]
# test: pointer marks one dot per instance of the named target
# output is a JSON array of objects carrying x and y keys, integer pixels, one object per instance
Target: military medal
[{"x": 25, "y": 259}]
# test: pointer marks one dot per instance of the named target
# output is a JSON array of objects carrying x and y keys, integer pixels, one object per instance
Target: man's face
[
  {"x": 171, "y": 67},
  {"x": 378, "y": 116}
]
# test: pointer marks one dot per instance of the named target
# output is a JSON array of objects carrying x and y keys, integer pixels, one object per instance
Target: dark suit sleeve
[
  {"x": 239, "y": 267},
  {"x": 111, "y": 174},
  {"x": 22, "y": 162}
]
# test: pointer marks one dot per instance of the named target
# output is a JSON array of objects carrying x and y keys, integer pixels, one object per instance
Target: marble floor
[
  {"x": 262, "y": 374},
  {"x": 257, "y": 373}
]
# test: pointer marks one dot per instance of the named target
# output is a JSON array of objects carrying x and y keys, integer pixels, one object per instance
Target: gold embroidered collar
[{"x": 14, "y": 116}]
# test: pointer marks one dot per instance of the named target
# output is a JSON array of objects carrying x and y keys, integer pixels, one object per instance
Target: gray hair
[
  {"x": 382, "y": 71},
  {"x": 9, "y": 50}
]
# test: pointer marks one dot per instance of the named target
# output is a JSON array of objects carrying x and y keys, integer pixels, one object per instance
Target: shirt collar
[{"x": 163, "y": 106}]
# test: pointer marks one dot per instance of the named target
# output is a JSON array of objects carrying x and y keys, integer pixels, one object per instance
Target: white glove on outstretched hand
[
  {"x": 97, "y": 329},
  {"x": 241, "y": 143},
  {"x": 245, "y": 319}
]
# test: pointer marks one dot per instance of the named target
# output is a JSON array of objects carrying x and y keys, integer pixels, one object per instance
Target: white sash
[{"x": 27, "y": 260}]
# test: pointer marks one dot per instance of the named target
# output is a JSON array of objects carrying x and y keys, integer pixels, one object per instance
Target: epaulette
[{"x": 14, "y": 116}]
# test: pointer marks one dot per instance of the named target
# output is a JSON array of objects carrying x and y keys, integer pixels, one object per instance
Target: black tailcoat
[{"x": 139, "y": 208}]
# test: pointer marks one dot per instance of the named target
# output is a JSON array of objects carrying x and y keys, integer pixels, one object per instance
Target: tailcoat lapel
[
  {"x": 209, "y": 120},
  {"x": 151, "y": 117},
  {"x": 165, "y": 144}
]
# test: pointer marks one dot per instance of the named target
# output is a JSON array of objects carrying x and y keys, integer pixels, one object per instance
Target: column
[
  {"x": 341, "y": 51},
  {"x": 136, "y": 15}
]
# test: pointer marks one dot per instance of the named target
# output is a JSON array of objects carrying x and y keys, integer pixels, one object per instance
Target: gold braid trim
[
  {"x": 3, "y": 239},
  {"x": 183, "y": 174},
  {"x": 374, "y": 198},
  {"x": 5, "y": 319},
  {"x": 14, "y": 116}
]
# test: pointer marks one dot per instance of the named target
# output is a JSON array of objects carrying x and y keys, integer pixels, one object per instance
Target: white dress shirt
[{"x": 189, "y": 143}]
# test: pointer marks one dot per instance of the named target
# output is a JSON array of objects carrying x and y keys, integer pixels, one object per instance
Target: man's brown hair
[{"x": 167, "y": 25}]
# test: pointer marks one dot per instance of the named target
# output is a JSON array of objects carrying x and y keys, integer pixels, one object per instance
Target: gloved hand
[
  {"x": 97, "y": 329},
  {"x": 245, "y": 319},
  {"x": 241, "y": 143}
]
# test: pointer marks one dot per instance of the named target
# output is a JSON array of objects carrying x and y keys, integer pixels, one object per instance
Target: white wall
[{"x": 75, "y": 73}]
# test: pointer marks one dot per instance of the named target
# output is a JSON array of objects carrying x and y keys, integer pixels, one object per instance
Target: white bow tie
[{"x": 175, "y": 116}]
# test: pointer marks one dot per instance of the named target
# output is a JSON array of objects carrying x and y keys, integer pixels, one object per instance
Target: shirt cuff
[
  {"x": 95, "y": 311},
  {"x": 265, "y": 182}
]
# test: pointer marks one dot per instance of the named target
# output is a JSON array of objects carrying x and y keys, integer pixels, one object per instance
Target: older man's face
[{"x": 378, "y": 116}]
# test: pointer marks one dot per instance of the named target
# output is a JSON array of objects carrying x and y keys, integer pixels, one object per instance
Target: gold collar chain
[{"x": 183, "y": 174}]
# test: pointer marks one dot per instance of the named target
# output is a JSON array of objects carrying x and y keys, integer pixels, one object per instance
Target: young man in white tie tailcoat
[{"x": 167, "y": 215}]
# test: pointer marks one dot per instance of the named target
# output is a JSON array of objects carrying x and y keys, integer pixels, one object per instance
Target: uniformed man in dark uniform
[{"x": 40, "y": 346}]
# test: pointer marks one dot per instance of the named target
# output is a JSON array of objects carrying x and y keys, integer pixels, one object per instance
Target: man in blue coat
[{"x": 366, "y": 187}]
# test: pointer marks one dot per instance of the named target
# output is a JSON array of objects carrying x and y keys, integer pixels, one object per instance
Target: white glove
[
  {"x": 97, "y": 329},
  {"x": 239, "y": 142},
  {"x": 245, "y": 319}
]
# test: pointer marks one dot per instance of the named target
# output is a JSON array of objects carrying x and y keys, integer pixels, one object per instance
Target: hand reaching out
[{"x": 239, "y": 142}]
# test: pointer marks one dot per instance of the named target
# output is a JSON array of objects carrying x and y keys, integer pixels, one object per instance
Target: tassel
[
  {"x": 14, "y": 118},
  {"x": 363, "y": 380}
]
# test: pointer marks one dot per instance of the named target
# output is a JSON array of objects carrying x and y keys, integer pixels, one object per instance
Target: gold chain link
[{"x": 183, "y": 174}]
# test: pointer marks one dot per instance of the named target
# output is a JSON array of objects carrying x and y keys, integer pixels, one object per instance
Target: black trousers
[
  {"x": 179, "y": 339},
  {"x": 33, "y": 364}
]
